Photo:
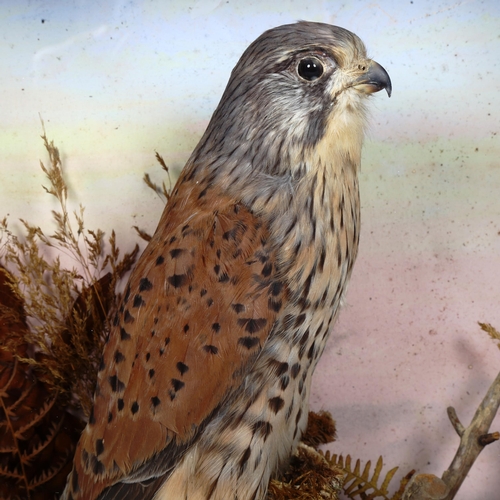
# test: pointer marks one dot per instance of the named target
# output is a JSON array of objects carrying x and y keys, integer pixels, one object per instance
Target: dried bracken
[{"x": 37, "y": 434}]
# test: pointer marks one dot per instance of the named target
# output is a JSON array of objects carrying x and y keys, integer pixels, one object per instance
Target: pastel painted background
[{"x": 115, "y": 81}]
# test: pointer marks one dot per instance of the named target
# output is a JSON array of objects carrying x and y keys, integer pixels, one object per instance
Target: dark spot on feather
[
  {"x": 145, "y": 285},
  {"x": 102, "y": 365},
  {"x": 148, "y": 356},
  {"x": 127, "y": 317},
  {"x": 85, "y": 458},
  {"x": 276, "y": 404},
  {"x": 238, "y": 308},
  {"x": 160, "y": 260},
  {"x": 275, "y": 288},
  {"x": 216, "y": 327},
  {"x": 311, "y": 351},
  {"x": 297, "y": 418},
  {"x": 116, "y": 384},
  {"x": 263, "y": 428},
  {"x": 124, "y": 335},
  {"x": 218, "y": 253},
  {"x": 304, "y": 303},
  {"x": 210, "y": 302},
  {"x": 307, "y": 285},
  {"x": 110, "y": 417},
  {"x": 203, "y": 292},
  {"x": 262, "y": 256},
  {"x": 217, "y": 269},
  {"x": 134, "y": 408},
  {"x": 153, "y": 333},
  {"x": 175, "y": 252},
  {"x": 231, "y": 234},
  {"x": 151, "y": 373},
  {"x": 182, "y": 367},
  {"x": 252, "y": 325},
  {"x": 177, "y": 280},
  {"x": 211, "y": 349},
  {"x": 294, "y": 371},
  {"x": 322, "y": 258},
  {"x": 92, "y": 417},
  {"x": 155, "y": 401},
  {"x": 281, "y": 369},
  {"x": 300, "y": 319},
  {"x": 248, "y": 342},
  {"x": 138, "y": 302},
  {"x": 119, "y": 357},
  {"x": 127, "y": 295},
  {"x": 177, "y": 384},
  {"x": 97, "y": 466},
  {"x": 284, "y": 381},
  {"x": 120, "y": 404},
  {"x": 274, "y": 305},
  {"x": 223, "y": 278},
  {"x": 186, "y": 328},
  {"x": 116, "y": 320},
  {"x": 99, "y": 446},
  {"x": 304, "y": 337},
  {"x": 267, "y": 269},
  {"x": 244, "y": 458},
  {"x": 202, "y": 193}
]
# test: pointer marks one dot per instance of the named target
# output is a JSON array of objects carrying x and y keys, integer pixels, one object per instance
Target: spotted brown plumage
[{"x": 203, "y": 388}]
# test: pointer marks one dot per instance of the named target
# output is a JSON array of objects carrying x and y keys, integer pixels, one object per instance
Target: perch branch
[{"x": 472, "y": 441}]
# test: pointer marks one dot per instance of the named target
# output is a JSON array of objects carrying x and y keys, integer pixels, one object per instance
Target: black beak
[{"x": 374, "y": 79}]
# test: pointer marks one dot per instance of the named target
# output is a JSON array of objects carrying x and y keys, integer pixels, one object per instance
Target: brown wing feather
[{"x": 197, "y": 311}]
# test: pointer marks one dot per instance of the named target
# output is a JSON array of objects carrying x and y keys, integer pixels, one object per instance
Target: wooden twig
[{"x": 472, "y": 441}]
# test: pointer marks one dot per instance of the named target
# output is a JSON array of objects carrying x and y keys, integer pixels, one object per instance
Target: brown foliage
[{"x": 37, "y": 435}]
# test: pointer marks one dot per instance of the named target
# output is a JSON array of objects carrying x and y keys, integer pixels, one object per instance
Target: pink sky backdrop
[{"x": 116, "y": 81}]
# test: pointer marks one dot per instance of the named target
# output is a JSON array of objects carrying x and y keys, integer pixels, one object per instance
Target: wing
[{"x": 198, "y": 308}]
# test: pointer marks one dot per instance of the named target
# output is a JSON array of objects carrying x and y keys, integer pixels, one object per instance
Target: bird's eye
[{"x": 310, "y": 68}]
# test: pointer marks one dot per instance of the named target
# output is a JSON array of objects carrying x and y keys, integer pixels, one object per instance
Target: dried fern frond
[
  {"x": 37, "y": 434},
  {"x": 363, "y": 484}
]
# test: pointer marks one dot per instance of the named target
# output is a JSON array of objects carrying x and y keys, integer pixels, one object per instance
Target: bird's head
[{"x": 298, "y": 91}]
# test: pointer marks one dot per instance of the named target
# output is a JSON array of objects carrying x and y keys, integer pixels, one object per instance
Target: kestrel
[{"x": 204, "y": 385}]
